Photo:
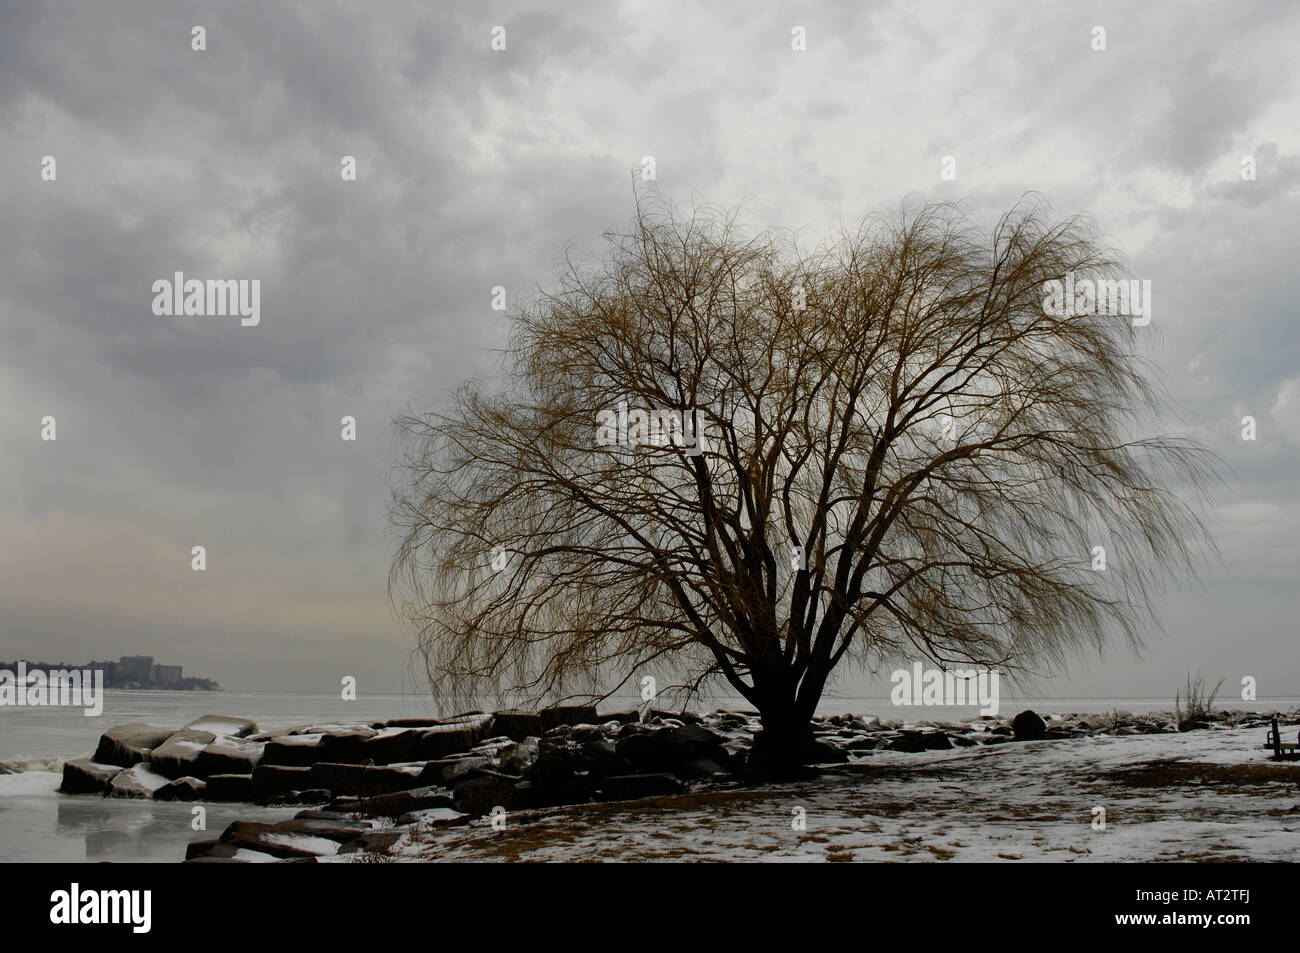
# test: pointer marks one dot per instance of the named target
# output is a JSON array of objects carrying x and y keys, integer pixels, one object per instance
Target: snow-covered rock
[{"x": 138, "y": 781}]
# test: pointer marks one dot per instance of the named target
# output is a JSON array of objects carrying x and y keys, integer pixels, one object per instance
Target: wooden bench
[{"x": 1282, "y": 751}]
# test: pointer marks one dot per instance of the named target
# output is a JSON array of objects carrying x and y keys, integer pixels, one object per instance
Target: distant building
[
  {"x": 135, "y": 668},
  {"x": 108, "y": 668},
  {"x": 166, "y": 676}
]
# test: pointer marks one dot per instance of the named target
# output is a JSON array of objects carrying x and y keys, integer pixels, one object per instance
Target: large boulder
[
  {"x": 453, "y": 737},
  {"x": 826, "y": 752},
  {"x": 696, "y": 738},
  {"x": 262, "y": 737},
  {"x": 568, "y": 715},
  {"x": 560, "y": 774},
  {"x": 914, "y": 741},
  {"x": 599, "y": 757},
  {"x": 346, "y": 745},
  {"x": 674, "y": 718},
  {"x": 204, "y": 848},
  {"x": 138, "y": 781},
  {"x": 84, "y": 776},
  {"x": 396, "y": 804},
  {"x": 270, "y": 780},
  {"x": 435, "y": 817},
  {"x": 937, "y": 741},
  {"x": 340, "y": 830},
  {"x": 298, "y": 751},
  {"x": 127, "y": 745},
  {"x": 458, "y": 769},
  {"x": 385, "y": 779},
  {"x": 1027, "y": 726},
  {"x": 271, "y": 839},
  {"x": 518, "y": 725},
  {"x": 518, "y": 758},
  {"x": 371, "y": 841},
  {"x": 229, "y": 725},
  {"x": 229, "y": 756},
  {"x": 671, "y": 749},
  {"x": 393, "y": 745},
  {"x": 178, "y": 755},
  {"x": 641, "y": 748},
  {"x": 447, "y": 771},
  {"x": 907, "y": 741},
  {"x": 229, "y": 787},
  {"x": 486, "y": 790},
  {"x": 182, "y": 789},
  {"x": 337, "y": 778},
  {"x": 285, "y": 839},
  {"x": 556, "y": 763}
]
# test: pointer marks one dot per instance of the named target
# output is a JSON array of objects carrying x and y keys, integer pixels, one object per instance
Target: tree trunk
[{"x": 784, "y": 746}]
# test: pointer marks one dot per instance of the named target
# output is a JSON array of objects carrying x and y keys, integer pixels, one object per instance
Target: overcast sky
[{"x": 475, "y": 167}]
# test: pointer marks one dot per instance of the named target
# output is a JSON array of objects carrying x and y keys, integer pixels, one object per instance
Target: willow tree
[{"x": 726, "y": 456}]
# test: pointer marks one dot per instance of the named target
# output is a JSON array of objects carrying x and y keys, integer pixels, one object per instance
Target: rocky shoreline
[{"x": 363, "y": 784}]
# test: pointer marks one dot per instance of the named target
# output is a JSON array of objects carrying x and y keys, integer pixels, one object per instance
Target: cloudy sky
[{"x": 475, "y": 167}]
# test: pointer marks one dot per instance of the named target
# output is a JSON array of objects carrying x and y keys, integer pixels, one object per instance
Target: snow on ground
[
  {"x": 28, "y": 783},
  {"x": 1202, "y": 795}
]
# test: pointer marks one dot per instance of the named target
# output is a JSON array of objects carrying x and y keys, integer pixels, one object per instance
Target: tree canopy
[{"x": 882, "y": 447}]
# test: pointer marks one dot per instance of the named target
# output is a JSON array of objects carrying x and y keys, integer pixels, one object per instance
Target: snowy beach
[
  {"x": 1203, "y": 795},
  {"x": 571, "y": 784}
]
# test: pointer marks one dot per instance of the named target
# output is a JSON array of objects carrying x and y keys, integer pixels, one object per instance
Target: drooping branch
[{"x": 897, "y": 404}]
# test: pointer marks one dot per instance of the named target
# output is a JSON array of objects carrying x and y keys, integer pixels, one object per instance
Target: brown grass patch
[{"x": 1225, "y": 778}]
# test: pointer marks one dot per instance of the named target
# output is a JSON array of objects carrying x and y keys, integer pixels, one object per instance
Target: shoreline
[
  {"x": 1058, "y": 723},
  {"x": 399, "y": 777}
]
